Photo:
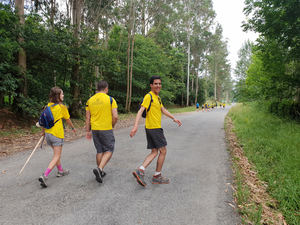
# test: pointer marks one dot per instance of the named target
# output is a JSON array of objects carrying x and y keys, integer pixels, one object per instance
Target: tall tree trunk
[
  {"x": 129, "y": 49},
  {"x": 215, "y": 79},
  {"x": 1, "y": 99},
  {"x": 131, "y": 68},
  {"x": 22, "y": 53},
  {"x": 96, "y": 29},
  {"x": 128, "y": 71},
  {"x": 196, "y": 90},
  {"x": 52, "y": 13},
  {"x": 192, "y": 83},
  {"x": 75, "y": 79},
  {"x": 188, "y": 68},
  {"x": 131, "y": 57},
  {"x": 143, "y": 18}
]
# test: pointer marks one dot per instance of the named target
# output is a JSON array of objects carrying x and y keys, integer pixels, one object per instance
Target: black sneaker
[
  {"x": 103, "y": 174},
  {"x": 97, "y": 173},
  {"x": 43, "y": 179}
]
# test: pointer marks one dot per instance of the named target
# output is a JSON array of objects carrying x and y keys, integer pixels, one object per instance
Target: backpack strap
[
  {"x": 150, "y": 102},
  {"x": 51, "y": 112},
  {"x": 111, "y": 100}
]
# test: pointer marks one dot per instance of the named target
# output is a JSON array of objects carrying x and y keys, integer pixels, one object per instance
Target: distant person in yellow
[
  {"x": 55, "y": 135},
  {"x": 101, "y": 117},
  {"x": 156, "y": 140}
]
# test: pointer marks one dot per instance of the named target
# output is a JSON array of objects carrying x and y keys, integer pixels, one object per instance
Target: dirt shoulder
[{"x": 251, "y": 196}]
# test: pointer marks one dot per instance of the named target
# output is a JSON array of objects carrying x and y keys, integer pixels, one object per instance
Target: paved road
[{"x": 197, "y": 164}]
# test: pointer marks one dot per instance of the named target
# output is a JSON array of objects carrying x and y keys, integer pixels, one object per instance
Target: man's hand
[
  {"x": 133, "y": 131},
  {"x": 88, "y": 135},
  {"x": 177, "y": 121},
  {"x": 74, "y": 130}
]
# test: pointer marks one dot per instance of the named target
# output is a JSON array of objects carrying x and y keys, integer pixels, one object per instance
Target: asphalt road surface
[{"x": 197, "y": 163}]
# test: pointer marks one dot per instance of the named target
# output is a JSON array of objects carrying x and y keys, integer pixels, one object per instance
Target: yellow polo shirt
[
  {"x": 59, "y": 112},
  {"x": 153, "y": 118},
  {"x": 101, "y": 111}
]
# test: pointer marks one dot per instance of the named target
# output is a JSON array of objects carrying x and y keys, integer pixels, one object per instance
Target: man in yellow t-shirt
[
  {"x": 156, "y": 140},
  {"x": 101, "y": 117}
]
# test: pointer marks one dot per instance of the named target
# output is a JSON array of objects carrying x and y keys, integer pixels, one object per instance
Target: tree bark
[
  {"x": 52, "y": 13},
  {"x": 129, "y": 51},
  {"x": 75, "y": 77},
  {"x": 188, "y": 69},
  {"x": 143, "y": 18},
  {"x": 196, "y": 90},
  {"x": 22, "y": 53}
]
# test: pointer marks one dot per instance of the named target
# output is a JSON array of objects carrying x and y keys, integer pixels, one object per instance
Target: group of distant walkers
[
  {"x": 101, "y": 118},
  {"x": 209, "y": 107}
]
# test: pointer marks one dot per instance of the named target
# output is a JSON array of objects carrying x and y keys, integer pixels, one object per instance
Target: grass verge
[
  {"x": 181, "y": 110},
  {"x": 272, "y": 146}
]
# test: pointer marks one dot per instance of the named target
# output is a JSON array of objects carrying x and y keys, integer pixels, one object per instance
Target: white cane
[{"x": 31, "y": 154}]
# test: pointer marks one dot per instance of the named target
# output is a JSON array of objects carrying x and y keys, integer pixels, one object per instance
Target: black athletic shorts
[
  {"x": 155, "y": 138},
  {"x": 104, "y": 140}
]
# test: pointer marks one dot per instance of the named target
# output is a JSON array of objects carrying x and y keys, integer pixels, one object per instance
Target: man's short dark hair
[
  {"x": 102, "y": 85},
  {"x": 154, "y": 78}
]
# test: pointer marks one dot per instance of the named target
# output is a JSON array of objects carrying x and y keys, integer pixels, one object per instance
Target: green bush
[{"x": 285, "y": 108}]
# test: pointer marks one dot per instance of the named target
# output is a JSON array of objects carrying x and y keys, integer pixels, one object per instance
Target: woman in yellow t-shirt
[{"x": 55, "y": 135}]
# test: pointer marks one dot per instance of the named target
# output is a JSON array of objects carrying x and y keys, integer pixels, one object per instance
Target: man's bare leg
[
  {"x": 105, "y": 159},
  {"x": 161, "y": 159},
  {"x": 157, "y": 177},
  {"x": 99, "y": 158},
  {"x": 150, "y": 157}
]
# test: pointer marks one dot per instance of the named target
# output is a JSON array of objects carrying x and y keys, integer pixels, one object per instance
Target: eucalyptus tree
[
  {"x": 19, "y": 4},
  {"x": 202, "y": 21},
  {"x": 241, "y": 68},
  {"x": 277, "y": 54},
  {"x": 219, "y": 65}
]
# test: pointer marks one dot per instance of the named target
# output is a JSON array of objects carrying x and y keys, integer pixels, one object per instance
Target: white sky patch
[{"x": 230, "y": 15}]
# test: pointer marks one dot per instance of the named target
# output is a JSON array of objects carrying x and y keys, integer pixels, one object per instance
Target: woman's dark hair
[
  {"x": 154, "y": 78},
  {"x": 102, "y": 85},
  {"x": 54, "y": 95}
]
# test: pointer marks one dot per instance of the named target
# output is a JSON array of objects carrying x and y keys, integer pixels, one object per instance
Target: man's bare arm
[
  {"x": 136, "y": 123},
  {"x": 88, "y": 124},
  {"x": 114, "y": 113},
  {"x": 168, "y": 114}
]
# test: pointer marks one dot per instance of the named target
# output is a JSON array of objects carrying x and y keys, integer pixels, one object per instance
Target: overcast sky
[{"x": 230, "y": 16}]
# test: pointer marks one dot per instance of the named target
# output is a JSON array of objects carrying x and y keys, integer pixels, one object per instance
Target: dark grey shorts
[
  {"x": 53, "y": 141},
  {"x": 155, "y": 138},
  {"x": 104, "y": 140}
]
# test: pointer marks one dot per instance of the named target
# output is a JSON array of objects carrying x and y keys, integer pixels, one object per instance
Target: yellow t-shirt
[
  {"x": 101, "y": 111},
  {"x": 59, "y": 112},
  {"x": 153, "y": 118}
]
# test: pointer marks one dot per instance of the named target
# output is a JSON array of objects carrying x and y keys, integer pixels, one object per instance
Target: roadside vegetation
[
  {"x": 123, "y": 42},
  {"x": 18, "y": 135},
  {"x": 272, "y": 146}
]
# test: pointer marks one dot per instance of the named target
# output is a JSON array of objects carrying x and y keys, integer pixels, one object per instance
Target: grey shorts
[
  {"x": 53, "y": 141},
  {"x": 155, "y": 138},
  {"x": 104, "y": 140}
]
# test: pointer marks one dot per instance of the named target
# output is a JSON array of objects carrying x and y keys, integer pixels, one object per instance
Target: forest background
[{"x": 75, "y": 43}]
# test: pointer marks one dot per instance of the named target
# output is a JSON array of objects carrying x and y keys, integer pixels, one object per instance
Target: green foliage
[
  {"x": 276, "y": 20},
  {"x": 274, "y": 74},
  {"x": 285, "y": 108},
  {"x": 54, "y": 53},
  {"x": 272, "y": 145},
  {"x": 149, "y": 59},
  {"x": 8, "y": 49},
  {"x": 30, "y": 107}
]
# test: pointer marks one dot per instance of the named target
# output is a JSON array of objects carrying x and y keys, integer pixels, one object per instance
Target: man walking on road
[
  {"x": 101, "y": 117},
  {"x": 156, "y": 140}
]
